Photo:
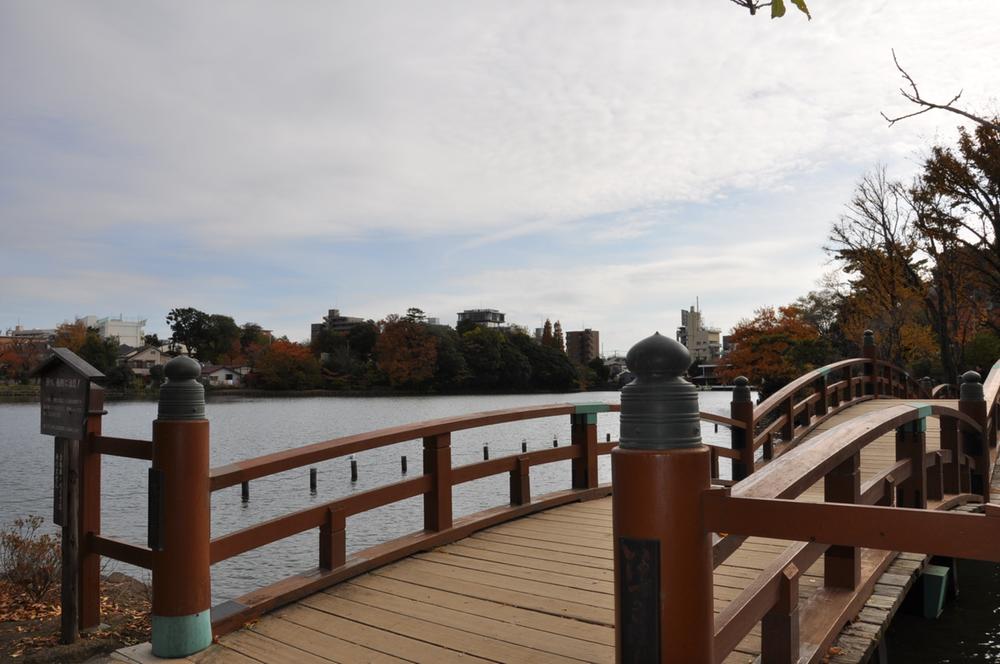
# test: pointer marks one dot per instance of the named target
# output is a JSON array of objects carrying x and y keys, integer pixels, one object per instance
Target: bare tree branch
[{"x": 913, "y": 96}]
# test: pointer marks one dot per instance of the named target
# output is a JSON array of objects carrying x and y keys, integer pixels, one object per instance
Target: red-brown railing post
[
  {"x": 520, "y": 481},
  {"x": 741, "y": 409},
  {"x": 869, "y": 353},
  {"x": 926, "y": 385},
  {"x": 663, "y": 552},
  {"x": 437, "y": 464},
  {"x": 972, "y": 403},
  {"x": 583, "y": 434},
  {"x": 842, "y": 564},
  {"x": 824, "y": 402},
  {"x": 333, "y": 539},
  {"x": 951, "y": 469},
  {"x": 788, "y": 431},
  {"x": 89, "y": 582},
  {"x": 911, "y": 443},
  {"x": 779, "y": 630},
  {"x": 935, "y": 478},
  {"x": 180, "y": 523}
]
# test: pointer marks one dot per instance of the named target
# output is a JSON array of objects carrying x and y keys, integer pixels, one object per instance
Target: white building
[
  {"x": 128, "y": 332},
  {"x": 702, "y": 342}
]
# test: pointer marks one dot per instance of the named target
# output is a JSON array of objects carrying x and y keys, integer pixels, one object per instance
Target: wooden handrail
[{"x": 800, "y": 469}]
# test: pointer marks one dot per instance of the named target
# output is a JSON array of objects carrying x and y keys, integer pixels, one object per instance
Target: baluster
[
  {"x": 842, "y": 564},
  {"x": 868, "y": 352},
  {"x": 583, "y": 436},
  {"x": 788, "y": 430},
  {"x": 823, "y": 404},
  {"x": 952, "y": 469},
  {"x": 972, "y": 402},
  {"x": 935, "y": 478},
  {"x": 911, "y": 443},
  {"x": 520, "y": 481},
  {"x": 333, "y": 539},
  {"x": 437, "y": 464},
  {"x": 741, "y": 409},
  {"x": 779, "y": 630}
]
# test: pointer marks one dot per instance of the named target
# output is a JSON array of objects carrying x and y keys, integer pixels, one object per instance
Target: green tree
[
  {"x": 102, "y": 354},
  {"x": 551, "y": 369},
  {"x": 481, "y": 349},
  {"x": 601, "y": 372},
  {"x": 189, "y": 327},
  {"x": 450, "y": 371}
]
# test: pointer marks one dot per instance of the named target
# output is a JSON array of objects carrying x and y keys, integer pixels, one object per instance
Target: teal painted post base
[
  {"x": 935, "y": 580},
  {"x": 180, "y": 636}
]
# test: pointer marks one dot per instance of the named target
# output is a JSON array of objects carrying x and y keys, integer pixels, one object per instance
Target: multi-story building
[
  {"x": 702, "y": 342},
  {"x": 127, "y": 332},
  {"x": 334, "y": 322},
  {"x": 483, "y": 317},
  {"x": 582, "y": 346}
]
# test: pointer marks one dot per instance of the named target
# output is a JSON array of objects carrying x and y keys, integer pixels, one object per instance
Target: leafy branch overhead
[{"x": 777, "y": 6}]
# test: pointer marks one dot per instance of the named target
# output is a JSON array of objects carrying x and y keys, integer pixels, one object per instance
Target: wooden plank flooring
[{"x": 538, "y": 589}]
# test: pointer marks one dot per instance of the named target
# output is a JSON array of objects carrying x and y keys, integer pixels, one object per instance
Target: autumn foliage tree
[
  {"x": 284, "y": 365},
  {"x": 773, "y": 348},
  {"x": 406, "y": 352}
]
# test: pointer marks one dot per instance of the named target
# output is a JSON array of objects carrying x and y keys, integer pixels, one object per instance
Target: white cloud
[{"x": 235, "y": 122}]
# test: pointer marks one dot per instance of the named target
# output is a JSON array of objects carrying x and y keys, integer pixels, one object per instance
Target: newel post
[
  {"x": 926, "y": 385},
  {"x": 868, "y": 352},
  {"x": 179, "y": 515},
  {"x": 663, "y": 552},
  {"x": 972, "y": 403},
  {"x": 741, "y": 409}
]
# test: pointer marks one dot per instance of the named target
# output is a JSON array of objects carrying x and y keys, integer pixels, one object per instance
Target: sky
[{"x": 602, "y": 164}]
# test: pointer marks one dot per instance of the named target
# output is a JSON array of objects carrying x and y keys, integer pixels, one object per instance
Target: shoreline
[{"x": 237, "y": 394}]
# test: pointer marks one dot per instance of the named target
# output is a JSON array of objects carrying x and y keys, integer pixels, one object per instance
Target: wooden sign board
[
  {"x": 64, "y": 400},
  {"x": 64, "y": 378}
]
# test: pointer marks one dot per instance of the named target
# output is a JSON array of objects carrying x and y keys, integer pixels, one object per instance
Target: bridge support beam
[
  {"x": 180, "y": 526},
  {"x": 663, "y": 552}
]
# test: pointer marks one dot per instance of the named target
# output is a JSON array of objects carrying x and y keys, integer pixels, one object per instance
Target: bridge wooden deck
[{"x": 537, "y": 589}]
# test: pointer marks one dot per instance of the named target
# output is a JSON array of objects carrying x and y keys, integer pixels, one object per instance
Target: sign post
[{"x": 65, "y": 382}]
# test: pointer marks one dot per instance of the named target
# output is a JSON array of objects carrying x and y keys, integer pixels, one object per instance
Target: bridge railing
[
  {"x": 919, "y": 479},
  {"x": 435, "y": 485},
  {"x": 805, "y": 403},
  {"x": 856, "y": 528}
]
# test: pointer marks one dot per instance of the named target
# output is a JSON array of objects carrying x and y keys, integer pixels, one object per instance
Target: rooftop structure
[
  {"x": 334, "y": 322},
  {"x": 484, "y": 317}
]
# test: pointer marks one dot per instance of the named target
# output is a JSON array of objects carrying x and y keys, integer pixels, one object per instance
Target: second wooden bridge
[{"x": 832, "y": 476}]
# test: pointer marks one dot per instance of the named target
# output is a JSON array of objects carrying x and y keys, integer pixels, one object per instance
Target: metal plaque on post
[
  {"x": 639, "y": 597},
  {"x": 59, "y": 482}
]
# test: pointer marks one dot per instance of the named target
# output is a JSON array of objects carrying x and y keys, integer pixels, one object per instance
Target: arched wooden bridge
[{"x": 534, "y": 580}]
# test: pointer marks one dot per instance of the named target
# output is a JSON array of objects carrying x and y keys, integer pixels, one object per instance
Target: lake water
[
  {"x": 969, "y": 631},
  {"x": 245, "y": 428}
]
